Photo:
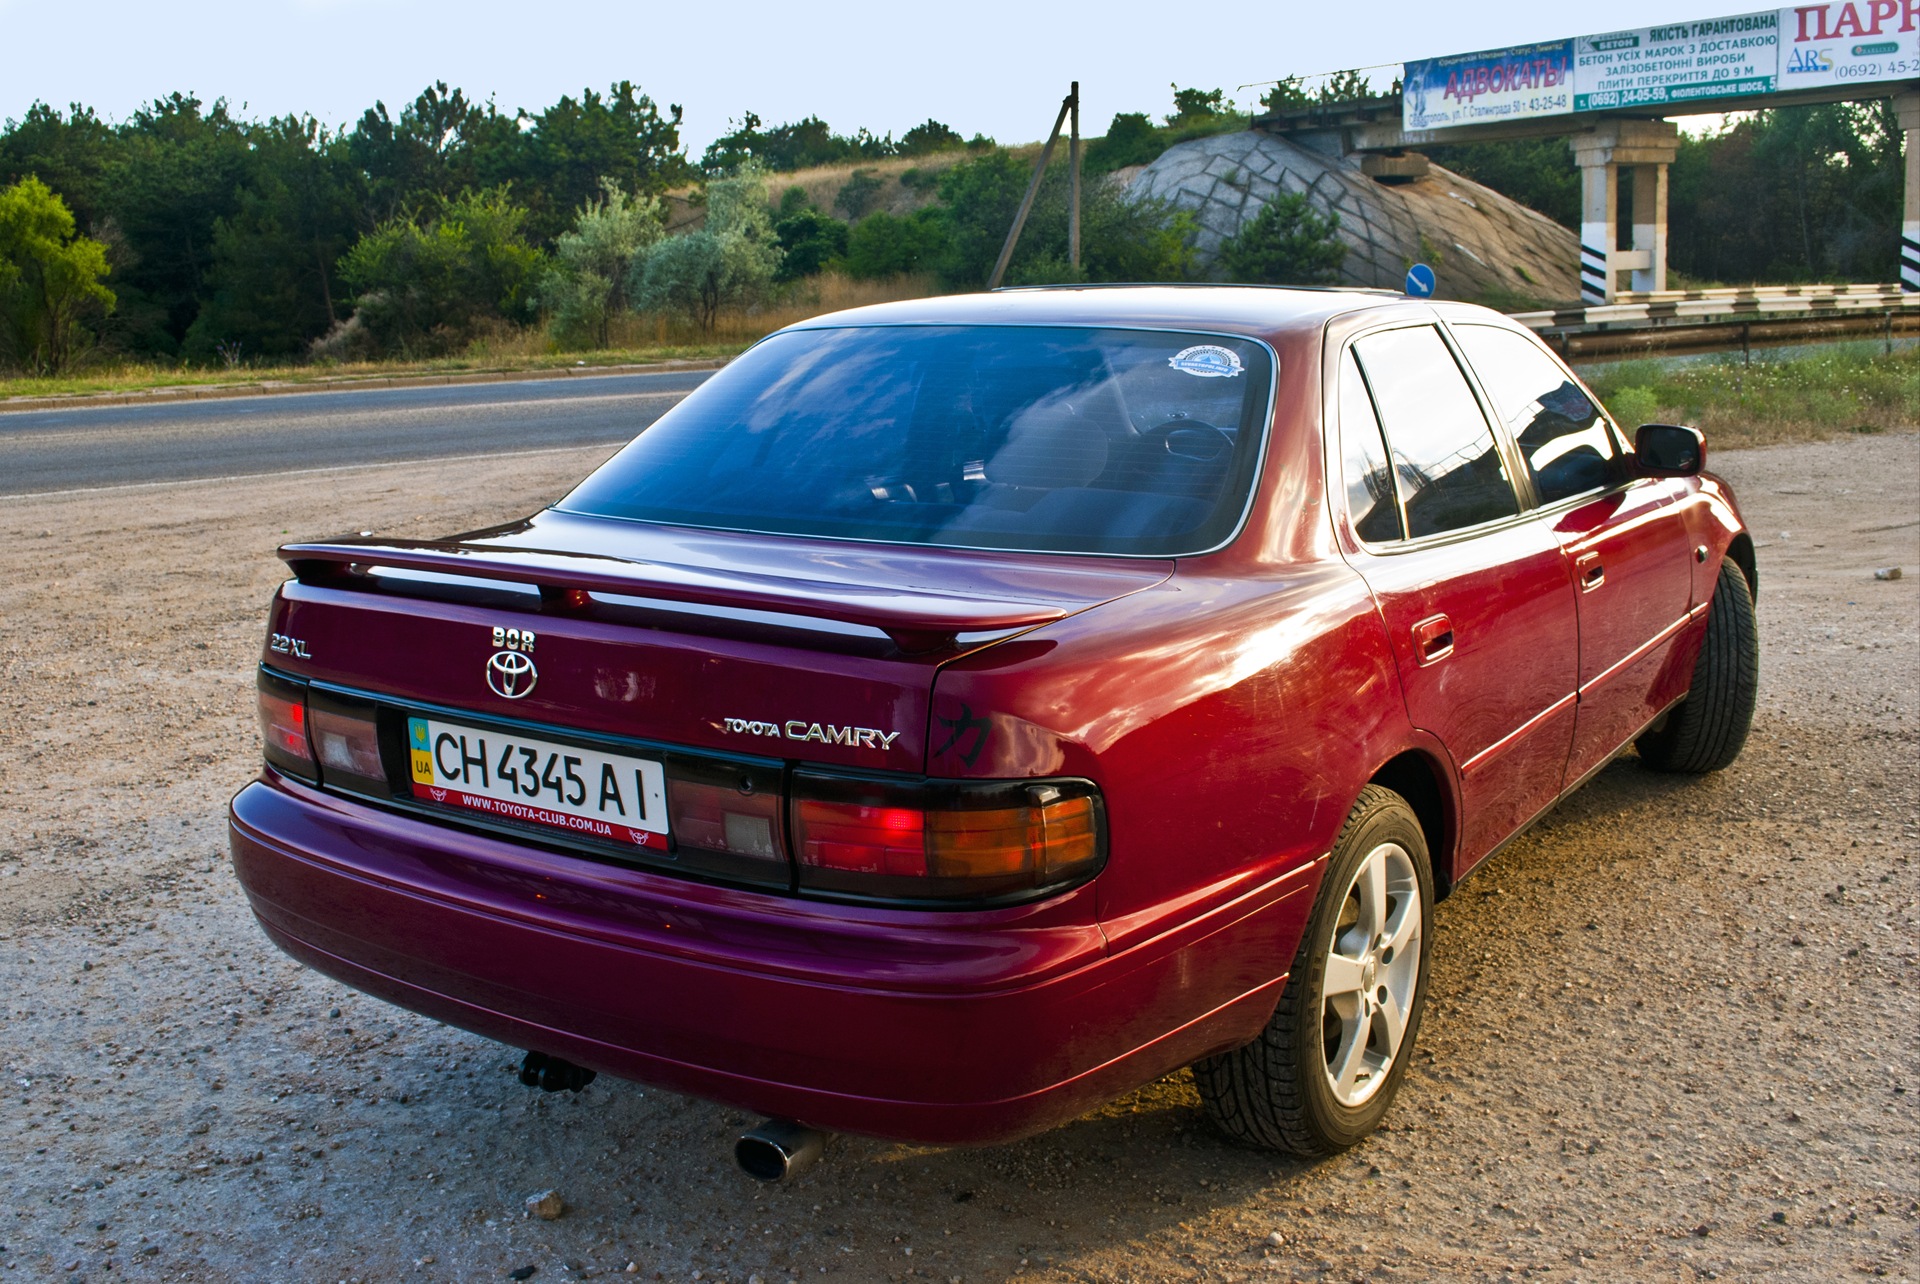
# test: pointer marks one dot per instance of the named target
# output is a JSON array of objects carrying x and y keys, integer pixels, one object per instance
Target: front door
[{"x": 1624, "y": 538}]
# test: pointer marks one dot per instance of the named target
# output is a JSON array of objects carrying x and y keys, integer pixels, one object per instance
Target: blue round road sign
[{"x": 1420, "y": 281}]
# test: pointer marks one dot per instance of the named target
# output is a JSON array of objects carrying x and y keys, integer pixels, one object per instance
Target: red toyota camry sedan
[{"x": 958, "y": 713}]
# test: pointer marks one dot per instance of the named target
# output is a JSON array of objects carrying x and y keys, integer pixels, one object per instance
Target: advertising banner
[
  {"x": 1838, "y": 44},
  {"x": 1493, "y": 85},
  {"x": 1656, "y": 66}
]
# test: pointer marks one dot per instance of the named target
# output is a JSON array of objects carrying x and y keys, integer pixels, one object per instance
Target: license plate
[{"x": 583, "y": 792}]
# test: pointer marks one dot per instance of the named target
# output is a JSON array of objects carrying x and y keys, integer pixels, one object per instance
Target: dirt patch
[{"x": 1675, "y": 1031}]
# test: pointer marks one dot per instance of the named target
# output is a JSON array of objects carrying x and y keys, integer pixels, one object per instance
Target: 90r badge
[{"x": 511, "y": 674}]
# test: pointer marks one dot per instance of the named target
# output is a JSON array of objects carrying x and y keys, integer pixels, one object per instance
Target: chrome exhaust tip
[{"x": 778, "y": 1150}]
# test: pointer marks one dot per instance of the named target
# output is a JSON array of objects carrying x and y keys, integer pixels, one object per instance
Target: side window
[
  {"x": 1370, "y": 498},
  {"x": 1561, "y": 433},
  {"x": 1450, "y": 472}
]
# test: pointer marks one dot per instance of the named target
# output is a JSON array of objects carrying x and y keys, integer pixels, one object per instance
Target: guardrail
[
  {"x": 1653, "y": 307},
  {"x": 1736, "y": 319}
]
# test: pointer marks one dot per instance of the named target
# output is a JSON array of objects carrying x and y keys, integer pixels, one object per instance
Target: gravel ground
[{"x": 1675, "y": 1030}]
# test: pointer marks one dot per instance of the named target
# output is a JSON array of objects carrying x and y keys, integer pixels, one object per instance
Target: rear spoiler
[{"x": 915, "y": 619}]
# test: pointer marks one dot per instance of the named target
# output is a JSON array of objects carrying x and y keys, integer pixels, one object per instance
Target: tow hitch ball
[{"x": 551, "y": 1074}]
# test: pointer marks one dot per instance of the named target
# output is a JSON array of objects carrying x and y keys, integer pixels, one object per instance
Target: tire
[
  {"x": 1278, "y": 1093},
  {"x": 1707, "y": 730}
]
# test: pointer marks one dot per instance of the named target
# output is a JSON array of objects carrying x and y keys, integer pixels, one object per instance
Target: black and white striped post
[{"x": 1908, "y": 107}]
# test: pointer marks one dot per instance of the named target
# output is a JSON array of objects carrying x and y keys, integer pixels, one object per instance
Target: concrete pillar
[
  {"x": 1646, "y": 147},
  {"x": 1650, "y": 225},
  {"x": 1908, "y": 107}
]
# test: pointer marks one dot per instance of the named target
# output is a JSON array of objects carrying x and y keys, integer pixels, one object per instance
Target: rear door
[
  {"x": 1623, "y": 535},
  {"x": 1474, "y": 593}
]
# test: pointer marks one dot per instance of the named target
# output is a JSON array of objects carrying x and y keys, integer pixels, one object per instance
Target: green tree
[
  {"x": 563, "y": 153},
  {"x": 1537, "y": 172},
  {"x": 929, "y": 137},
  {"x": 585, "y": 285},
  {"x": 1795, "y": 194},
  {"x": 1122, "y": 239},
  {"x": 1191, "y": 106},
  {"x": 1288, "y": 243},
  {"x": 272, "y": 285},
  {"x": 800, "y": 145},
  {"x": 1130, "y": 140},
  {"x": 428, "y": 287},
  {"x": 68, "y": 153},
  {"x": 731, "y": 262},
  {"x": 49, "y": 280},
  {"x": 179, "y": 170}
]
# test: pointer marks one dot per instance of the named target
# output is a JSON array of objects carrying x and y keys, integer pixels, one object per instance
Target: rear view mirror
[{"x": 1669, "y": 450}]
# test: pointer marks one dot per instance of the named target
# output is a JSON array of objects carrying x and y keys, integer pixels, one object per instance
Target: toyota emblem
[{"x": 511, "y": 674}]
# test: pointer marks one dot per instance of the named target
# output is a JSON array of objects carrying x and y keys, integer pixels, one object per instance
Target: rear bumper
[{"x": 930, "y": 1027}]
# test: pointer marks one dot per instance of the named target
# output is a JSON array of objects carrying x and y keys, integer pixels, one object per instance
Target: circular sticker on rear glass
[{"x": 1207, "y": 360}]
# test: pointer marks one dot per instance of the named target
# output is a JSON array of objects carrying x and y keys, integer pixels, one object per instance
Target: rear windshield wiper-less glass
[{"x": 1055, "y": 439}]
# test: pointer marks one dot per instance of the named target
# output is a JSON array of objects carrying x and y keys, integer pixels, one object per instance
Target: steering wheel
[{"x": 1193, "y": 439}]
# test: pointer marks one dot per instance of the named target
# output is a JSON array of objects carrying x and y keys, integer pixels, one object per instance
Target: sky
[{"x": 987, "y": 66}]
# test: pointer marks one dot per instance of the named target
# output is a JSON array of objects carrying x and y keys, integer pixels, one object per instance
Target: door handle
[
  {"x": 1592, "y": 574},
  {"x": 1433, "y": 639}
]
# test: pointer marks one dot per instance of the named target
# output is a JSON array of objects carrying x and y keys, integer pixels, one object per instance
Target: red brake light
[
  {"x": 283, "y": 725},
  {"x": 991, "y": 839}
]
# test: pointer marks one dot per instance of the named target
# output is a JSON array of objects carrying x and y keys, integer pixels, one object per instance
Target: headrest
[{"x": 1049, "y": 448}]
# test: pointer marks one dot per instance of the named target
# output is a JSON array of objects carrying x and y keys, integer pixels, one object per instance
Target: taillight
[
  {"x": 283, "y": 725},
  {"x": 936, "y": 840},
  {"x": 346, "y": 740}
]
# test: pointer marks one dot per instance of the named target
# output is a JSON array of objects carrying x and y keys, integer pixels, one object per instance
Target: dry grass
[
  {"x": 637, "y": 340},
  {"x": 828, "y": 292},
  {"x": 823, "y": 184}
]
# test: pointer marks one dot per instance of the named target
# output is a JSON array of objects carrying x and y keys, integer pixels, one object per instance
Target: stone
[
  {"x": 547, "y": 1205},
  {"x": 1887, "y": 573}
]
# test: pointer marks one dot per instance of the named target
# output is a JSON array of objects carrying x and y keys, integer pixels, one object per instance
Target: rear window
[{"x": 1073, "y": 440}]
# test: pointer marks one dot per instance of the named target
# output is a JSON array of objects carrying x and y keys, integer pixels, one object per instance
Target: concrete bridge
[{"x": 1634, "y": 146}]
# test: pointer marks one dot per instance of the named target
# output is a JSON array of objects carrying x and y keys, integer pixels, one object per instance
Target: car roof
[{"x": 1239, "y": 309}]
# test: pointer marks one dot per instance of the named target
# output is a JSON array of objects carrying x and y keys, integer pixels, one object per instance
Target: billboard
[
  {"x": 1680, "y": 64},
  {"x": 1493, "y": 85},
  {"x": 1838, "y": 44},
  {"x": 1812, "y": 46}
]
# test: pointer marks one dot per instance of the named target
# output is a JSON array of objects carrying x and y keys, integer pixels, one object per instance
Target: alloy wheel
[{"x": 1371, "y": 973}]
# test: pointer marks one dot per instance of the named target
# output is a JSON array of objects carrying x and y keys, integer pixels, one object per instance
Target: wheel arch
[
  {"x": 1416, "y": 777},
  {"x": 1740, "y": 549}
]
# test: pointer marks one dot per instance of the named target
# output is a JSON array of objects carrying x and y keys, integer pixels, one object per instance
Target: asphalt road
[{"x": 57, "y": 450}]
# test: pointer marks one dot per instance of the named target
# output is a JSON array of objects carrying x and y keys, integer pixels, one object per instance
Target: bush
[
  {"x": 883, "y": 244},
  {"x": 49, "y": 281},
  {"x": 586, "y": 285},
  {"x": 1122, "y": 239},
  {"x": 1634, "y": 406},
  {"x": 809, "y": 242},
  {"x": 731, "y": 262},
  {"x": 1131, "y": 140},
  {"x": 427, "y": 288},
  {"x": 927, "y": 138},
  {"x": 857, "y": 195},
  {"x": 1289, "y": 243}
]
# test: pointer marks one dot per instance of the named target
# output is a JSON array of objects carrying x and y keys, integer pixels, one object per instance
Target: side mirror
[{"x": 1669, "y": 450}]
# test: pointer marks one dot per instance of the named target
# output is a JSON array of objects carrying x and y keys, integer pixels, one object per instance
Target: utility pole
[
  {"x": 1073, "y": 161},
  {"x": 1069, "y": 103}
]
